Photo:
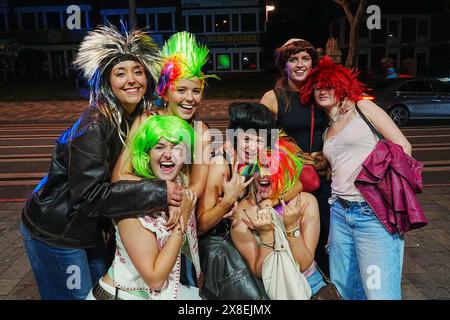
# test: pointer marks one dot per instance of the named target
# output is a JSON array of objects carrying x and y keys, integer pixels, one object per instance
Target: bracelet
[
  {"x": 268, "y": 243},
  {"x": 267, "y": 246},
  {"x": 290, "y": 231}
]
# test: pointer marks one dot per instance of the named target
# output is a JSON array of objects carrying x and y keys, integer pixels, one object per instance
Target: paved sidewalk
[
  {"x": 425, "y": 273},
  {"x": 69, "y": 111},
  {"x": 427, "y": 253}
]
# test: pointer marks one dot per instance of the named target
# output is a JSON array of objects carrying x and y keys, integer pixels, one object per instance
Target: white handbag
[{"x": 281, "y": 273}]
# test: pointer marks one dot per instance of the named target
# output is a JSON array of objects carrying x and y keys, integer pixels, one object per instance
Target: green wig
[
  {"x": 172, "y": 128},
  {"x": 183, "y": 58}
]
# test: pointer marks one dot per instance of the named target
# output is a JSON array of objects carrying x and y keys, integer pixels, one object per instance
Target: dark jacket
[
  {"x": 388, "y": 181},
  {"x": 226, "y": 273},
  {"x": 69, "y": 206}
]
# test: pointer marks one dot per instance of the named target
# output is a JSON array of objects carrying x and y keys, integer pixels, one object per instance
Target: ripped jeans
[{"x": 365, "y": 260}]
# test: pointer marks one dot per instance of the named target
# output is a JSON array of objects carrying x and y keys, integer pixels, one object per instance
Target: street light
[{"x": 269, "y": 8}]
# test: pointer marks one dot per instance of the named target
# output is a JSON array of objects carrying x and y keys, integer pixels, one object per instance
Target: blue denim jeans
[
  {"x": 316, "y": 281},
  {"x": 365, "y": 260},
  {"x": 63, "y": 273}
]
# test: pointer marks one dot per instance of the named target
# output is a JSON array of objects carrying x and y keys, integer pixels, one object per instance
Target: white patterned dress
[{"x": 126, "y": 277}]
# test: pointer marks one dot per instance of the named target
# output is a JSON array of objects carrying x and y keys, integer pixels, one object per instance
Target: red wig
[{"x": 331, "y": 75}]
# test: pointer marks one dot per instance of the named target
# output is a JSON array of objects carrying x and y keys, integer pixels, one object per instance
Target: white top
[
  {"x": 346, "y": 151},
  {"x": 125, "y": 275}
]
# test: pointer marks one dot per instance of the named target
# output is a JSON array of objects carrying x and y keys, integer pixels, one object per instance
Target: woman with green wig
[{"x": 147, "y": 262}]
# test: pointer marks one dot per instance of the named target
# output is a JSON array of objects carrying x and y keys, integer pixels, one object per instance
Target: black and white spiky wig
[{"x": 101, "y": 50}]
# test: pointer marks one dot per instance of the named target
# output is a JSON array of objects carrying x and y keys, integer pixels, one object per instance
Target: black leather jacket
[{"x": 69, "y": 206}]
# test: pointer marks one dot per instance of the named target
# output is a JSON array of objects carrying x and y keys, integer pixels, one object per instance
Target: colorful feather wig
[
  {"x": 183, "y": 58},
  {"x": 280, "y": 163},
  {"x": 331, "y": 75},
  {"x": 172, "y": 128},
  {"x": 100, "y": 51},
  {"x": 104, "y": 47}
]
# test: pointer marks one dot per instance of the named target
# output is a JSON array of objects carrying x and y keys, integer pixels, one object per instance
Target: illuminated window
[
  {"x": 223, "y": 61},
  {"x": 222, "y": 23},
  {"x": 249, "y": 61}
]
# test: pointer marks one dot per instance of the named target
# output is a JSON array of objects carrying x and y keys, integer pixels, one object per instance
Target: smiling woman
[
  {"x": 148, "y": 255},
  {"x": 65, "y": 219},
  {"x": 128, "y": 83}
]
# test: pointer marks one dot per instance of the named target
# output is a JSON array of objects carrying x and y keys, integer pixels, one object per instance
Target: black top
[{"x": 297, "y": 122}]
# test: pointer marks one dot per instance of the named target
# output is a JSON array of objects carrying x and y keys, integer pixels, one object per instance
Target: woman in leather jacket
[{"x": 63, "y": 219}]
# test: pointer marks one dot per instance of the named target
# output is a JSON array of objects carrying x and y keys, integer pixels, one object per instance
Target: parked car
[{"x": 411, "y": 99}]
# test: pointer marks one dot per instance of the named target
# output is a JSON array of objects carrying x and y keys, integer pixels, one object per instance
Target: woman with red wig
[{"x": 365, "y": 259}]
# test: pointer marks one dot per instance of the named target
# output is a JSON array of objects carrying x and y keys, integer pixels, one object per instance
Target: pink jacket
[{"x": 388, "y": 181}]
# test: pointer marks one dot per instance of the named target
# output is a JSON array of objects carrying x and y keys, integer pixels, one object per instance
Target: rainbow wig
[
  {"x": 331, "y": 75},
  {"x": 281, "y": 163},
  {"x": 183, "y": 58},
  {"x": 172, "y": 128}
]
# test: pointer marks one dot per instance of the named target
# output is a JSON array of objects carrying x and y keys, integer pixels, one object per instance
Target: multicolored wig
[
  {"x": 281, "y": 163},
  {"x": 183, "y": 58},
  {"x": 100, "y": 51},
  {"x": 172, "y": 128},
  {"x": 331, "y": 75}
]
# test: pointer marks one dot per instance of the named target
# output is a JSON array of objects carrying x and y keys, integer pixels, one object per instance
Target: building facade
[
  {"x": 407, "y": 40},
  {"x": 232, "y": 29},
  {"x": 46, "y": 33}
]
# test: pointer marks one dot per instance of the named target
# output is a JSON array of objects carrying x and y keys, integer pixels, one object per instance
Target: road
[{"x": 25, "y": 152}]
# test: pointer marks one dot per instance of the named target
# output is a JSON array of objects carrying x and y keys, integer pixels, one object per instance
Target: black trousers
[{"x": 322, "y": 194}]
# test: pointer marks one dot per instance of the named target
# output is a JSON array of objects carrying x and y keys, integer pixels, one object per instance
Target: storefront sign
[{"x": 232, "y": 39}]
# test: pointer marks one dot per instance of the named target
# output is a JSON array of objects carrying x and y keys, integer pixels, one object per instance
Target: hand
[
  {"x": 174, "y": 194},
  {"x": 174, "y": 216},
  {"x": 187, "y": 207},
  {"x": 262, "y": 221},
  {"x": 293, "y": 212},
  {"x": 346, "y": 105},
  {"x": 242, "y": 211},
  {"x": 234, "y": 187},
  {"x": 231, "y": 215}
]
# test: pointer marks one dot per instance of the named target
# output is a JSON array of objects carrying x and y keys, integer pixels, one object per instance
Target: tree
[{"x": 354, "y": 20}]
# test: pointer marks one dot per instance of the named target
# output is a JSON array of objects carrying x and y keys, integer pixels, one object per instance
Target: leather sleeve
[{"x": 91, "y": 190}]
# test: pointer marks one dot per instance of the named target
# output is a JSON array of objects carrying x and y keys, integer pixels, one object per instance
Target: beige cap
[{"x": 290, "y": 41}]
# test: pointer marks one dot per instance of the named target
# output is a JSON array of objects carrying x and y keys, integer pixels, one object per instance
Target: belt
[
  {"x": 348, "y": 204},
  {"x": 101, "y": 294}
]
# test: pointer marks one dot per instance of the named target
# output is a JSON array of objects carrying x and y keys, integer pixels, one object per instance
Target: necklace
[{"x": 333, "y": 122}]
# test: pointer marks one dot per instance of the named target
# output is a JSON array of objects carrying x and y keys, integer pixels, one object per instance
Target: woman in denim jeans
[{"x": 365, "y": 259}]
